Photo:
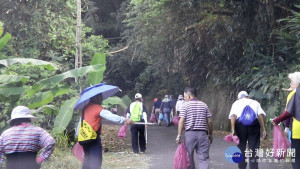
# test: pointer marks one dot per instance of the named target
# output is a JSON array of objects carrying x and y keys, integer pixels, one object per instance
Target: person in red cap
[{"x": 22, "y": 142}]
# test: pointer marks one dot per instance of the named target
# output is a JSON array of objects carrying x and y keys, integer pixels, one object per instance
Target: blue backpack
[{"x": 248, "y": 116}]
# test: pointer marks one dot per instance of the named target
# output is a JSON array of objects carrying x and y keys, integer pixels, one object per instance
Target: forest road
[{"x": 161, "y": 149}]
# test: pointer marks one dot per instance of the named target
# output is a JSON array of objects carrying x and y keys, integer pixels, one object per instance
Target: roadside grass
[
  {"x": 117, "y": 153},
  {"x": 64, "y": 159}
]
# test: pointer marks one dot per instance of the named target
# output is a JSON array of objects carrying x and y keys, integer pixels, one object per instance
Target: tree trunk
[{"x": 78, "y": 54}]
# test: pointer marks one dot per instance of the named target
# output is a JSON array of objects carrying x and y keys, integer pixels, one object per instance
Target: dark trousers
[
  {"x": 138, "y": 137},
  {"x": 22, "y": 160},
  {"x": 92, "y": 155},
  {"x": 296, "y": 146},
  {"x": 252, "y": 135}
]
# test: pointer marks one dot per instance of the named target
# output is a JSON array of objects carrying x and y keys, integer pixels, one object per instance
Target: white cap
[
  {"x": 242, "y": 94},
  {"x": 138, "y": 96},
  {"x": 21, "y": 112},
  {"x": 180, "y": 97}
]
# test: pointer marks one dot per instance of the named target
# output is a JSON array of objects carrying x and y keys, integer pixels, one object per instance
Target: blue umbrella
[{"x": 104, "y": 89}]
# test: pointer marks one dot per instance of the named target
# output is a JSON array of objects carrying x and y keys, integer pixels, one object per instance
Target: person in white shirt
[
  {"x": 247, "y": 133},
  {"x": 180, "y": 102},
  {"x": 137, "y": 113}
]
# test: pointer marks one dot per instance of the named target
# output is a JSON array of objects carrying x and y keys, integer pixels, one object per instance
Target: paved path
[{"x": 161, "y": 148}]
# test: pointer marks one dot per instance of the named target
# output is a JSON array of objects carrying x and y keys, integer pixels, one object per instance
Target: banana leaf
[
  {"x": 6, "y": 79},
  {"x": 58, "y": 78},
  {"x": 64, "y": 116},
  {"x": 97, "y": 77},
  {"x": 11, "y": 61},
  {"x": 4, "y": 39},
  {"x": 10, "y": 91}
]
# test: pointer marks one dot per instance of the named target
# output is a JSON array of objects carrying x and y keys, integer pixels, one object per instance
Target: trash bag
[
  {"x": 175, "y": 120},
  {"x": 161, "y": 117},
  {"x": 78, "y": 152},
  {"x": 122, "y": 131},
  {"x": 181, "y": 158},
  {"x": 152, "y": 118},
  {"x": 280, "y": 143},
  {"x": 230, "y": 139}
]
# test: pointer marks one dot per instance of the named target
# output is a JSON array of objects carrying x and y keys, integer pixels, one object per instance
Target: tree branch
[{"x": 120, "y": 50}]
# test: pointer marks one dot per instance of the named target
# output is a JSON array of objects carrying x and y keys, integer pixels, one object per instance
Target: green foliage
[
  {"x": 11, "y": 61},
  {"x": 97, "y": 77},
  {"x": 109, "y": 102},
  {"x": 4, "y": 39},
  {"x": 64, "y": 116}
]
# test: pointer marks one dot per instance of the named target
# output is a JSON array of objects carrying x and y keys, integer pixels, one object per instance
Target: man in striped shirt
[
  {"x": 21, "y": 143},
  {"x": 196, "y": 119}
]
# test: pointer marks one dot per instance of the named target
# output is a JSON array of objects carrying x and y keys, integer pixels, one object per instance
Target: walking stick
[{"x": 146, "y": 135}]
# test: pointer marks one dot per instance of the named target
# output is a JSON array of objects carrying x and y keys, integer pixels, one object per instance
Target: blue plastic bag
[{"x": 161, "y": 117}]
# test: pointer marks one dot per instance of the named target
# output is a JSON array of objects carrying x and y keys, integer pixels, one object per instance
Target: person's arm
[
  {"x": 287, "y": 124},
  {"x": 261, "y": 118},
  {"x": 48, "y": 143},
  {"x": 233, "y": 119},
  {"x": 180, "y": 128},
  {"x": 210, "y": 129},
  {"x": 1, "y": 151},
  {"x": 145, "y": 117},
  {"x": 285, "y": 115},
  {"x": 111, "y": 117}
]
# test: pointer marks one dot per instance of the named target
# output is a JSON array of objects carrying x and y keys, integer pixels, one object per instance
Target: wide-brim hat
[{"x": 22, "y": 112}]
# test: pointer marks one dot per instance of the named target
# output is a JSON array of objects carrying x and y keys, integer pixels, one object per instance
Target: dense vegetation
[{"x": 226, "y": 45}]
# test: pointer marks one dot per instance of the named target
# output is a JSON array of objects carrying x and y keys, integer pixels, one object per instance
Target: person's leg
[
  {"x": 241, "y": 132},
  {"x": 96, "y": 154},
  {"x": 92, "y": 155},
  {"x": 296, "y": 146},
  {"x": 142, "y": 140},
  {"x": 168, "y": 118},
  {"x": 190, "y": 144},
  {"x": 157, "y": 115},
  {"x": 253, "y": 143},
  {"x": 134, "y": 138},
  {"x": 86, "y": 160},
  {"x": 202, "y": 150}
]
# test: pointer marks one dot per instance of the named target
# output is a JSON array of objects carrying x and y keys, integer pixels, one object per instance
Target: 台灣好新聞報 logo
[{"x": 233, "y": 154}]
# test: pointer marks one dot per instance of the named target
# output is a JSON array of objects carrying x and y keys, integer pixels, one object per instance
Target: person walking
[
  {"x": 166, "y": 109},
  {"x": 179, "y": 104},
  {"x": 22, "y": 142},
  {"x": 293, "y": 110},
  {"x": 138, "y": 113},
  {"x": 245, "y": 115},
  {"x": 197, "y": 121},
  {"x": 93, "y": 113},
  {"x": 156, "y": 109},
  {"x": 90, "y": 123}
]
